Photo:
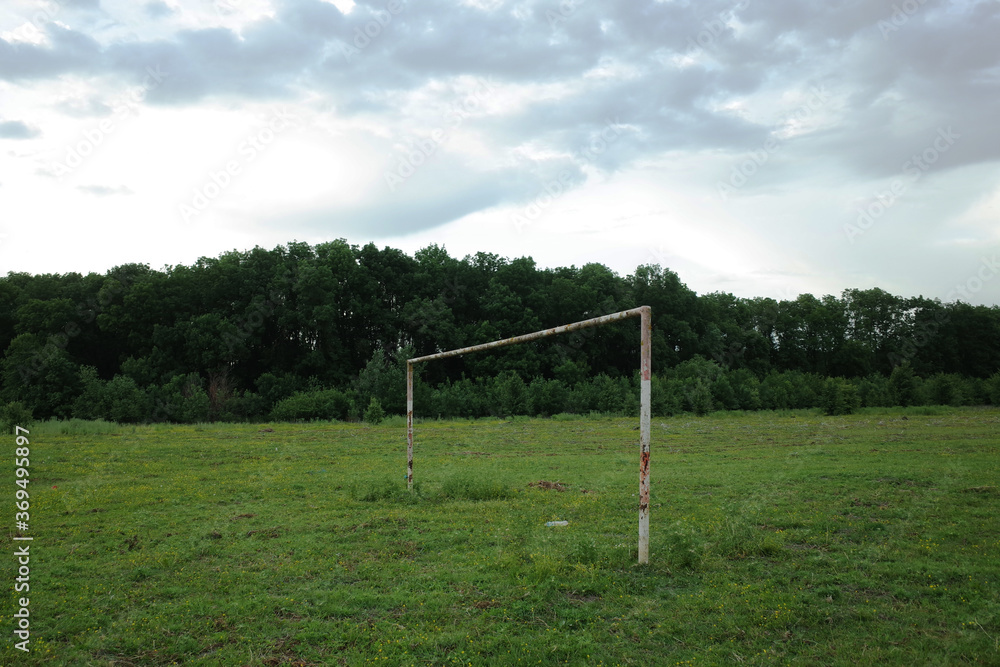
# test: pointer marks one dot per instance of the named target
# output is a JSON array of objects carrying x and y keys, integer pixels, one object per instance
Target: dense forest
[{"x": 321, "y": 332}]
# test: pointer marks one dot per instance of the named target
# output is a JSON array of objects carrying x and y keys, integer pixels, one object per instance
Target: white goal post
[{"x": 644, "y": 314}]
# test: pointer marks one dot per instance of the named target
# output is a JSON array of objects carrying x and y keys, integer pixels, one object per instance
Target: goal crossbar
[{"x": 642, "y": 312}]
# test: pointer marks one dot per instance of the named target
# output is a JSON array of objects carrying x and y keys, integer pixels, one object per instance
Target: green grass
[{"x": 786, "y": 538}]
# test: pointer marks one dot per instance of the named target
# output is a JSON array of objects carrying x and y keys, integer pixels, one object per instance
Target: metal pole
[
  {"x": 645, "y": 365},
  {"x": 409, "y": 425},
  {"x": 604, "y": 319}
]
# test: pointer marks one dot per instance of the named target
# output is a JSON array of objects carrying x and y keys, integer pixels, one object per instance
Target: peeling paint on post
[
  {"x": 409, "y": 426},
  {"x": 645, "y": 365}
]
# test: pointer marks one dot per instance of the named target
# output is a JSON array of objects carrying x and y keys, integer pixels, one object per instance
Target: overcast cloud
[{"x": 761, "y": 148}]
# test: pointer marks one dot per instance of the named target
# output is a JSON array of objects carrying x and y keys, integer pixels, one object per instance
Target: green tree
[
  {"x": 839, "y": 397},
  {"x": 15, "y": 414},
  {"x": 903, "y": 385},
  {"x": 509, "y": 395},
  {"x": 374, "y": 414}
]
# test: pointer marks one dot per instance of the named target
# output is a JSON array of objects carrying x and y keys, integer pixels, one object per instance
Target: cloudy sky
[{"x": 758, "y": 148}]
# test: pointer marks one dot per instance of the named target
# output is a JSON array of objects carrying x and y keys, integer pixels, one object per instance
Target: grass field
[{"x": 786, "y": 538}]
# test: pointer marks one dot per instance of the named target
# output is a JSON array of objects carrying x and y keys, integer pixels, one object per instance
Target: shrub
[
  {"x": 903, "y": 385},
  {"x": 667, "y": 397},
  {"x": 616, "y": 395},
  {"x": 183, "y": 399},
  {"x": 839, "y": 397},
  {"x": 90, "y": 403},
  {"x": 547, "y": 397},
  {"x": 875, "y": 392},
  {"x": 15, "y": 414},
  {"x": 945, "y": 389},
  {"x": 746, "y": 389},
  {"x": 993, "y": 386},
  {"x": 384, "y": 377},
  {"x": 243, "y": 407},
  {"x": 723, "y": 394},
  {"x": 126, "y": 402},
  {"x": 699, "y": 398},
  {"x": 509, "y": 395},
  {"x": 309, "y": 405},
  {"x": 776, "y": 392},
  {"x": 464, "y": 398},
  {"x": 374, "y": 414}
]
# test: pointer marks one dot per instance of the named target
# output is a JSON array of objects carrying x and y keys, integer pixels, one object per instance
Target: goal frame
[{"x": 645, "y": 368}]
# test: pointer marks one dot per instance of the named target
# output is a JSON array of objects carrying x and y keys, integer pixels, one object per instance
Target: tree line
[{"x": 303, "y": 332}]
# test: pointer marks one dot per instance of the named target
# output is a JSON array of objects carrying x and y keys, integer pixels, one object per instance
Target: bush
[
  {"x": 183, "y": 399},
  {"x": 875, "y": 392},
  {"x": 667, "y": 397},
  {"x": 374, "y": 414},
  {"x": 945, "y": 389},
  {"x": 310, "y": 405},
  {"x": 127, "y": 403},
  {"x": 776, "y": 392},
  {"x": 244, "y": 407},
  {"x": 509, "y": 395},
  {"x": 384, "y": 378},
  {"x": 746, "y": 389},
  {"x": 464, "y": 398},
  {"x": 616, "y": 395},
  {"x": 903, "y": 385},
  {"x": 839, "y": 397},
  {"x": 993, "y": 387},
  {"x": 15, "y": 414},
  {"x": 547, "y": 397},
  {"x": 723, "y": 394},
  {"x": 90, "y": 403},
  {"x": 699, "y": 398}
]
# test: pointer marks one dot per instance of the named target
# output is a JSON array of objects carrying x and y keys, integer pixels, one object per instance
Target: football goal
[{"x": 643, "y": 313}]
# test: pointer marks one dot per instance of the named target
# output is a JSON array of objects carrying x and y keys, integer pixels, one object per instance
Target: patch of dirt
[
  {"x": 284, "y": 654},
  {"x": 284, "y": 613},
  {"x": 243, "y": 516},
  {"x": 266, "y": 532},
  {"x": 543, "y": 484},
  {"x": 485, "y": 604}
]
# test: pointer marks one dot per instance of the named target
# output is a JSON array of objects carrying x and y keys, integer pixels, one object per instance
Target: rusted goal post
[{"x": 643, "y": 312}]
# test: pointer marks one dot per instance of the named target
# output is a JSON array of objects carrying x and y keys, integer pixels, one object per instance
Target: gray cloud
[
  {"x": 157, "y": 9},
  {"x": 16, "y": 129},
  {"x": 87, "y": 5}
]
